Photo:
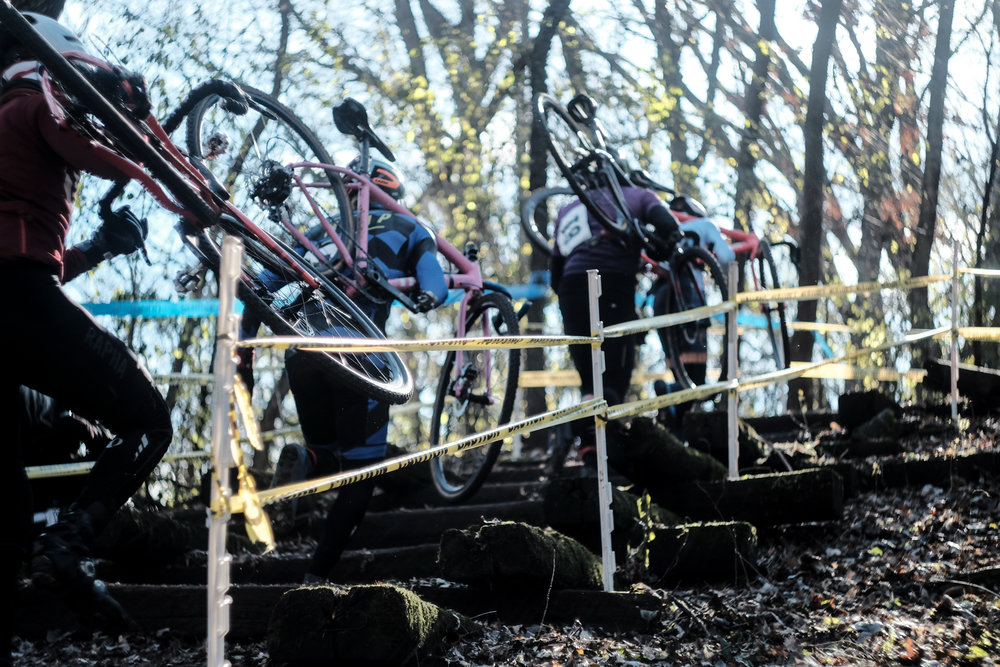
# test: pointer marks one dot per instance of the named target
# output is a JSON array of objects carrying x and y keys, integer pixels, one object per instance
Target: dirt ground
[{"x": 908, "y": 576}]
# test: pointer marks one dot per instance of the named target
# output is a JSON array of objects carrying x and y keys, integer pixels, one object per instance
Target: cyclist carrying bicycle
[
  {"x": 582, "y": 244},
  {"x": 337, "y": 437},
  {"x": 54, "y": 345}
]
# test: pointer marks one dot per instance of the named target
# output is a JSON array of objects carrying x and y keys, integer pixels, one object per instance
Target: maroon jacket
[{"x": 40, "y": 165}]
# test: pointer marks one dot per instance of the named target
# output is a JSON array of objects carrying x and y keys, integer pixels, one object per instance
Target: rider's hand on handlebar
[
  {"x": 425, "y": 301},
  {"x": 122, "y": 232},
  {"x": 660, "y": 248},
  {"x": 127, "y": 89}
]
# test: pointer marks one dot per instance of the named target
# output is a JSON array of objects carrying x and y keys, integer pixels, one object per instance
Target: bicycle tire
[
  {"x": 275, "y": 292},
  {"x": 590, "y": 173},
  {"x": 122, "y": 135},
  {"x": 458, "y": 413},
  {"x": 269, "y": 134},
  {"x": 540, "y": 239},
  {"x": 696, "y": 280},
  {"x": 774, "y": 312}
]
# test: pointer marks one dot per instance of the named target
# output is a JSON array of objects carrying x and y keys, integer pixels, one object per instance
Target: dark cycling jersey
[
  {"x": 582, "y": 243},
  {"x": 40, "y": 167}
]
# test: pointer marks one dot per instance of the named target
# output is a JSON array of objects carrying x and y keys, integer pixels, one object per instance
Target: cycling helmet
[
  {"x": 383, "y": 175},
  {"x": 689, "y": 206},
  {"x": 20, "y": 67}
]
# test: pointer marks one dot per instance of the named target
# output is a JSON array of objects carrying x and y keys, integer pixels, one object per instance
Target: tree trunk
[
  {"x": 746, "y": 180},
  {"x": 801, "y": 392},
  {"x": 920, "y": 313}
]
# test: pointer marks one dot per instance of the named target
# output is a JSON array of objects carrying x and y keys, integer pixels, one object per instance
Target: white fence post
[
  {"x": 219, "y": 561},
  {"x": 600, "y": 436},
  {"x": 954, "y": 335},
  {"x": 732, "y": 371}
]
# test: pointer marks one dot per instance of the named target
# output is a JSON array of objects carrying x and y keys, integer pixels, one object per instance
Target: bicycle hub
[{"x": 274, "y": 185}]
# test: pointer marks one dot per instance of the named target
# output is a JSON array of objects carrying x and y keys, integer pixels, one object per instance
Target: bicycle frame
[{"x": 468, "y": 276}]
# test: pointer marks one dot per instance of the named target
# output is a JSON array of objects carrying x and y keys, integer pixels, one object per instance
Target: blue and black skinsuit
[{"x": 336, "y": 438}]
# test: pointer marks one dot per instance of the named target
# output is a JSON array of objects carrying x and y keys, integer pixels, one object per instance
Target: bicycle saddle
[{"x": 351, "y": 119}]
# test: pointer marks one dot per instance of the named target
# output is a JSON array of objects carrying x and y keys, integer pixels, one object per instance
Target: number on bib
[{"x": 574, "y": 229}]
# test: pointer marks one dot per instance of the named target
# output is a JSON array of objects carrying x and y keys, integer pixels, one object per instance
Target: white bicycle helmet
[{"x": 56, "y": 34}]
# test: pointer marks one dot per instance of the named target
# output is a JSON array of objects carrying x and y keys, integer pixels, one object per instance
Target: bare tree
[
  {"x": 919, "y": 309},
  {"x": 801, "y": 393}
]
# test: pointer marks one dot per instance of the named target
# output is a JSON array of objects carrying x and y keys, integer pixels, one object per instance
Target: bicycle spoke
[
  {"x": 250, "y": 154},
  {"x": 476, "y": 394}
]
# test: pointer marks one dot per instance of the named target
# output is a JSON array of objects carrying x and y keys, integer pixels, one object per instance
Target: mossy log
[
  {"x": 858, "y": 407},
  {"x": 763, "y": 500},
  {"x": 718, "y": 551},
  {"x": 571, "y": 507},
  {"x": 632, "y": 611},
  {"x": 708, "y": 432},
  {"x": 370, "y": 625},
  {"x": 510, "y": 554},
  {"x": 980, "y": 385},
  {"x": 648, "y": 455},
  {"x": 857, "y": 448}
]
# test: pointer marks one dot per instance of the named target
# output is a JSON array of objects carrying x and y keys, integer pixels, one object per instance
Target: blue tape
[{"x": 159, "y": 309}]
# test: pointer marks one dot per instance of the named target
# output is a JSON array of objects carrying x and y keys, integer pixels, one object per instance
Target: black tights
[{"x": 57, "y": 348}]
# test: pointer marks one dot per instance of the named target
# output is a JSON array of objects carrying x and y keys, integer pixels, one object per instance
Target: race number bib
[{"x": 574, "y": 229}]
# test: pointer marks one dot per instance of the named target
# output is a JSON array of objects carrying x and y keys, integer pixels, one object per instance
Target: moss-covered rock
[
  {"x": 649, "y": 455},
  {"x": 519, "y": 555},
  {"x": 373, "y": 625}
]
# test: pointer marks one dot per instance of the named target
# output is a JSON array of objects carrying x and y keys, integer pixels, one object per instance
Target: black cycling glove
[
  {"x": 121, "y": 233},
  {"x": 425, "y": 301}
]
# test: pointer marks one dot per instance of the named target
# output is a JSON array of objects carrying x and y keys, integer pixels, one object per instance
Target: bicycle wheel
[
  {"x": 590, "y": 172},
  {"x": 697, "y": 350},
  {"x": 271, "y": 287},
  {"x": 476, "y": 393},
  {"x": 763, "y": 344},
  {"x": 769, "y": 319},
  {"x": 249, "y": 156},
  {"x": 552, "y": 199}
]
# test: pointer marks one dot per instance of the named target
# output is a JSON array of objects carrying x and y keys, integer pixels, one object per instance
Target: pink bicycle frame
[{"x": 468, "y": 276}]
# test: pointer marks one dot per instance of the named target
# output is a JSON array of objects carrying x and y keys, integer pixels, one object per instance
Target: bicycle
[
  {"x": 578, "y": 143},
  {"x": 140, "y": 147},
  {"x": 477, "y": 387}
]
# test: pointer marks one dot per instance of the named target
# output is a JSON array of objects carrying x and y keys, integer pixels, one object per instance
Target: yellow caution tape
[
  {"x": 661, "y": 321},
  {"x": 588, "y": 408},
  {"x": 648, "y": 405},
  {"x": 816, "y": 291},
  {"x": 340, "y": 344},
  {"x": 980, "y": 333},
  {"x": 983, "y": 273},
  {"x": 246, "y": 413},
  {"x": 247, "y": 501},
  {"x": 822, "y": 327},
  {"x": 83, "y": 467}
]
